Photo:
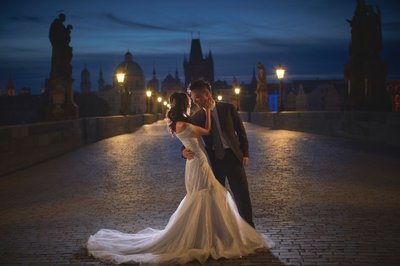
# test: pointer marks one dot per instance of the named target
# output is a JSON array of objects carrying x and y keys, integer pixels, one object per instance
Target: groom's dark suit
[{"x": 231, "y": 165}]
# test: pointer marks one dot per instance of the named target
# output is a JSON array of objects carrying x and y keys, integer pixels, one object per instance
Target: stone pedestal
[
  {"x": 367, "y": 86},
  {"x": 62, "y": 105},
  {"x": 261, "y": 99}
]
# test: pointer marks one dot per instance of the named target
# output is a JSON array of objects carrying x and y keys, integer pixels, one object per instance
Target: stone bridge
[{"x": 323, "y": 200}]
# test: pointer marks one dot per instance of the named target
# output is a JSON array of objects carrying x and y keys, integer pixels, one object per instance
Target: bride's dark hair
[{"x": 178, "y": 111}]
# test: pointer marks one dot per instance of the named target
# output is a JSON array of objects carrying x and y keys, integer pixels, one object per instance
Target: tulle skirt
[{"x": 206, "y": 224}]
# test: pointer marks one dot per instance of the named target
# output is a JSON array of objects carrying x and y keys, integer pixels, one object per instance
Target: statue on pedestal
[
  {"x": 366, "y": 71},
  {"x": 261, "y": 91},
  {"x": 62, "y": 105}
]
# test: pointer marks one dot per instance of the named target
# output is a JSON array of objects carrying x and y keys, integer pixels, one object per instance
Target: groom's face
[{"x": 200, "y": 97}]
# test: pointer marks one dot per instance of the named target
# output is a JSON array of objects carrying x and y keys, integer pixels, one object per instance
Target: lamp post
[
  {"x": 219, "y": 98},
  {"x": 121, "y": 82},
  {"x": 237, "y": 92},
  {"x": 165, "y": 104},
  {"x": 159, "y": 100},
  {"x": 148, "y": 107},
  {"x": 280, "y": 73}
]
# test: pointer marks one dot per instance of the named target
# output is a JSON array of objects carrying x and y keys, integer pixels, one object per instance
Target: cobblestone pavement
[{"x": 323, "y": 200}]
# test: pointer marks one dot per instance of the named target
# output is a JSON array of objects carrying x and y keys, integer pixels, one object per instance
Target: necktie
[{"x": 216, "y": 138}]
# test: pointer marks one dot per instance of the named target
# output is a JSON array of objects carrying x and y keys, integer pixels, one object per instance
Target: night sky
[{"x": 310, "y": 38}]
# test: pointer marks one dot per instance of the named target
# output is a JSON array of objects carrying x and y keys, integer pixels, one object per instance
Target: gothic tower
[{"x": 198, "y": 67}]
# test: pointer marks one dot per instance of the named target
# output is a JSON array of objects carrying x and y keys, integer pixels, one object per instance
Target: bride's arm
[
  {"x": 180, "y": 126},
  {"x": 201, "y": 130},
  {"x": 204, "y": 131}
]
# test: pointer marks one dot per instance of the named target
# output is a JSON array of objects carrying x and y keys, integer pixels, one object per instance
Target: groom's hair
[{"x": 199, "y": 85}]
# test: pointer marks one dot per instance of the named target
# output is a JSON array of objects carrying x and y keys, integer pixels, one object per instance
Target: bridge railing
[
  {"x": 378, "y": 127},
  {"x": 24, "y": 145}
]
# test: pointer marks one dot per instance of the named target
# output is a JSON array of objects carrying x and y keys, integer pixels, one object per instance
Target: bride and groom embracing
[{"x": 207, "y": 222}]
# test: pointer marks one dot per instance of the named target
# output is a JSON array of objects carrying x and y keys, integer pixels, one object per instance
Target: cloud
[
  {"x": 138, "y": 25},
  {"x": 30, "y": 19}
]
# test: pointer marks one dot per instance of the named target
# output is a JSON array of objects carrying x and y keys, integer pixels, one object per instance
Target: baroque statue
[{"x": 261, "y": 91}]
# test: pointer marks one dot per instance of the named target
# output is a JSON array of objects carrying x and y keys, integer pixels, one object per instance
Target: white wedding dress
[{"x": 206, "y": 223}]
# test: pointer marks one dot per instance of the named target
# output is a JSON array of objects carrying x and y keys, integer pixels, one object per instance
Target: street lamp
[
  {"x": 237, "y": 92},
  {"x": 219, "y": 98},
  {"x": 159, "y": 100},
  {"x": 148, "y": 107},
  {"x": 121, "y": 82},
  {"x": 280, "y": 73},
  {"x": 120, "y": 77}
]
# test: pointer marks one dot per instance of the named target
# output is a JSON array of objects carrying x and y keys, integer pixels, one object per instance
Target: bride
[{"x": 206, "y": 222}]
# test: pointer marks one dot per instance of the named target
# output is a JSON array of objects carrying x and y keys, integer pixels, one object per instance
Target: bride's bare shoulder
[{"x": 180, "y": 126}]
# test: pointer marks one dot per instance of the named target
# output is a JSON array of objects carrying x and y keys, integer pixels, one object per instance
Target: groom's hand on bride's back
[
  {"x": 188, "y": 154},
  {"x": 246, "y": 161}
]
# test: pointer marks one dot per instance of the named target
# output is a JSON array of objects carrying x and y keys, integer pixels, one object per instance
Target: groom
[{"x": 227, "y": 145}]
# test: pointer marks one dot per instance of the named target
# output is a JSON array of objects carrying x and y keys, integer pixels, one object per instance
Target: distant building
[
  {"x": 25, "y": 91},
  {"x": 315, "y": 95},
  {"x": 10, "y": 88},
  {"x": 198, "y": 67},
  {"x": 134, "y": 77},
  {"x": 223, "y": 89},
  {"x": 101, "y": 82},
  {"x": 22, "y": 109},
  {"x": 172, "y": 84},
  {"x": 85, "y": 81},
  {"x": 134, "y": 85}
]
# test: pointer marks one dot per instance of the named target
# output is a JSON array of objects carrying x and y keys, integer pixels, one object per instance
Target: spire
[
  {"x": 196, "y": 55},
  {"x": 85, "y": 72},
  {"x": 154, "y": 69},
  {"x": 210, "y": 57},
  {"x": 235, "y": 82},
  {"x": 176, "y": 71},
  {"x": 101, "y": 80},
  {"x": 85, "y": 80},
  {"x": 128, "y": 57}
]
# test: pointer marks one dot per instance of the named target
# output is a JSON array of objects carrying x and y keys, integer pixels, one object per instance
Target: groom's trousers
[{"x": 231, "y": 168}]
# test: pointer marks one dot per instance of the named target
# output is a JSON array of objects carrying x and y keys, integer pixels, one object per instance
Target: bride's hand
[{"x": 209, "y": 104}]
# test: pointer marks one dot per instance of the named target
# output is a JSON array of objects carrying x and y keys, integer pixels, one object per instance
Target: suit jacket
[{"x": 231, "y": 126}]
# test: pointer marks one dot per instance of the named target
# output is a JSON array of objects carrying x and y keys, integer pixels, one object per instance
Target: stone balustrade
[
  {"x": 378, "y": 127},
  {"x": 24, "y": 145}
]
